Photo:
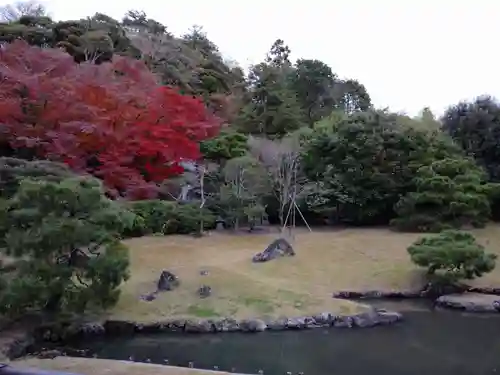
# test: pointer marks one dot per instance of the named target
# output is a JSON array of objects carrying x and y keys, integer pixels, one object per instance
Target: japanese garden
[{"x": 150, "y": 189}]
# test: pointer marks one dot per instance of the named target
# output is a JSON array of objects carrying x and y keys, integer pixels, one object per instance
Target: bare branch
[
  {"x": 281, "y": 159},
  {"x": 13, "y": 12}
]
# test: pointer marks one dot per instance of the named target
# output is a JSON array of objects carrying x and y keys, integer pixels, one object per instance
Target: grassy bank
[
  {"x": 353, "y": 259},
  {"x": 85, "y": 366}
]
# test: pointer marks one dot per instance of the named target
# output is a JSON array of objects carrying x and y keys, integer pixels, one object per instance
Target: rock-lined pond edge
[
  {"x": 469, "y": 299},
  {"x": 425, "y": 293},
  {"x": 65, "y": 333},
  {"x": 62, "y": 333}
]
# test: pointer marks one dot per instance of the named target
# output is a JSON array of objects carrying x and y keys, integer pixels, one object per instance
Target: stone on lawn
[
  {"x": 204, "y": 291},
  {"x": 278, "y": 248},
  {"x": 148, "y": 297},
  {"x": 167, "y": 281}
]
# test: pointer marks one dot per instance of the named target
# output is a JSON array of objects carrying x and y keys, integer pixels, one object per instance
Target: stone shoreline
[
  {"x": 416, "y": 294},
  {"x": 67, "y": 333},
  {"x": 469, "y": 299}
]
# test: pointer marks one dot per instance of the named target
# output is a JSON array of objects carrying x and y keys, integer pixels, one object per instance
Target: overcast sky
[{"x": 409, "y": 54}]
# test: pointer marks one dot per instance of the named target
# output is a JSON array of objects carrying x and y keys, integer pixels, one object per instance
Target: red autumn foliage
[{"x": 111, "y": 120}]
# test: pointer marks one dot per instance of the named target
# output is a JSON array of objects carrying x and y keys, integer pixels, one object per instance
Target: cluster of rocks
[
  {"x": 429, "y": 291},
  {"x": 470, "y": 302},
  {"x": 376, "y": 294},
  {"x": 278, "y": 248},
  {"x": 457, "y": 297},
  {"x": 168, "y": 281},
  {"x": 493, "y": 291},
  {"x": 69, "y": 332}
]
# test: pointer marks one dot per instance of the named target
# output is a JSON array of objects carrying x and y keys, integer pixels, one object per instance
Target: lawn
[
  {"x": 326, "y": 261},
  {"x": 85, "y": 366}
]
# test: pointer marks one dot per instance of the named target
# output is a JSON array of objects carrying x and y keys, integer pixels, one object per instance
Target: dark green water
[{"x": 427, "y": 342}]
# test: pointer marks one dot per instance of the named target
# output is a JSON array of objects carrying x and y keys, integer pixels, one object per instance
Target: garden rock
[
  {"x": 119, "y": 327},
  {"x": 167, "y": 281},
  {"x": 92, "y": 329},
  {"x": 128, "y": 328},
  {"x": 49, "y": 354},
  {"x": 471, "y": 302},
  {"x": 365, "y": 320},
  {"x": 200, "y": 326},
  {"x": 486, "y": 290},
  {"x": 342, "y": 321},
  {"x": 278, "y": 324},
  {"x": 83, "y": 330},
  {"x": 20, "y": 347},
  {"x": 295, "y": 323},
  {"x": 154, "y": 327},
  {"x": 278, "y": 248},
  {"x": 385, "y": 317},
  {"x": 375, "y": 294},
  {"x": 176, "y": 325},
  {"x": 227, "y": 325},
  {"x": 204, "y": 291},
  {"x": 252, "y": 325},
  {"x": 148, "y": 297},
  {"x": 323, "y": 319}
]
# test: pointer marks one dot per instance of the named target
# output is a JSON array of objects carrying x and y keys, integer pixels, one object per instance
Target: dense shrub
[
  {"x": 362, "y": 166},
  {"x": 62, "y": 241},
  {"x": 476, "y": 127},
  {"x": 227, "y": 145},
  {"x": 13, "y": 171},
  {"x": 452, "y": 255},
  {"x": 450, "y": 193},
  {"x": 157, "y": 216}
]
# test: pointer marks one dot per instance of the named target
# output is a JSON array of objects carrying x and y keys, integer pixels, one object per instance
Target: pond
[{"x": 434, "y": 342}]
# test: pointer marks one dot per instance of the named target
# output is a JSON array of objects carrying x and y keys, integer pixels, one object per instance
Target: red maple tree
[{"x": 111, "y": 120}]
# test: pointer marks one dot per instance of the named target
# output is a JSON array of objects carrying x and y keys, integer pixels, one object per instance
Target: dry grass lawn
[
  {"x": 85, "y": 366},
  {"x": 326, "y": 261}
]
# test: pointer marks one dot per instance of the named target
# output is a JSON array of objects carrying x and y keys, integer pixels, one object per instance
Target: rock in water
[
  {"x": 167, "y": 281},
  {"x": 471, "y": 302},
  {"x": 277, "y": 248}
]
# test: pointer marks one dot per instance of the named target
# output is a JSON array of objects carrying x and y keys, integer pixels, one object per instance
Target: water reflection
[{"x": 434, "y": 342}]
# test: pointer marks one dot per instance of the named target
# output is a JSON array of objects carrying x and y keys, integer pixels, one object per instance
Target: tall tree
[
  {"x": 314, "y": 83},
  {"x": 279, "y": 55},
  {"x": 475, "y": 126},
  {"x": 138, "y": 21},
  {"x": 271, "y": 105},
  {"x": 365, "y": 162},
  {"x": 63, "y": 238},
  {"x": 353, "y": 96},
  {"x": 191, "y": 63},
  {"x": 112, "y": 120},
  {"x": 96, "y": 38},
  {"x": 449, "y": 193}
]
